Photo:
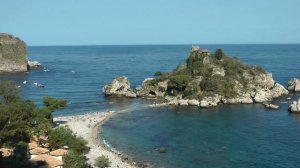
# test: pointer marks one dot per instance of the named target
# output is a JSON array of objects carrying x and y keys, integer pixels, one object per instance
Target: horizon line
[{"x": 69, "y": 45}]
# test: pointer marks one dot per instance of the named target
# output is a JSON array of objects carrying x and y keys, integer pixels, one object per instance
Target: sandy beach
[{"x": 88, "y": 127}]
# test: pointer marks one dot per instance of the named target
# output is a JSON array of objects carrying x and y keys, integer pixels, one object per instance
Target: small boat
[
  {"x": 40, "y": 85},
  {"x": 24, "y": 82}
]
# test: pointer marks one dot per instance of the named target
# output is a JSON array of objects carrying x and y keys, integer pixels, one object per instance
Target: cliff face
[{"x": 13, "y": 54}]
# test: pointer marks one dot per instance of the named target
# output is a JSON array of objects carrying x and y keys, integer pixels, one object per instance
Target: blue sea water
[{"x": 226, "y": 136}]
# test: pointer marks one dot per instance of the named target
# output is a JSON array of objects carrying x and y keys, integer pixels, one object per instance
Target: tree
[
  {"x": 75, "y": 160},
  {"x": 62, "y": 136},
  {"x": 54, "y": 104},
  {"x": 219, "y": 54},
  {"x": 179, "y": 82},
  {"x": 21, "y": 151},
  {"x": 15, "y": 115},
  {"x": 102, "y": 162}
]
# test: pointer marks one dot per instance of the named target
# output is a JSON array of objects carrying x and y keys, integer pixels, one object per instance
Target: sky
[{"x": 139, "y": 22}]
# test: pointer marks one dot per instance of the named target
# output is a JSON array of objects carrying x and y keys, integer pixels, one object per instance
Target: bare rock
[
  {"x": 295, "y": 107},
  {"x": 271, "y": 106},
  {"x": 278, "y": 90},
  {"x": 218, "y": 71},
  {"x": 262, "y": 96},
  {"x": 294, "y": 85},
  {"x": 119, "y": 87},
  {"x": 244, "y": 98},
  {"x": 210, "y": 101},
  {"x": 34, "y": 65},
  {"x": 183, "y": 102},
  {"x": 13, "y": 54},
  {"x": 193, "y": 102}
]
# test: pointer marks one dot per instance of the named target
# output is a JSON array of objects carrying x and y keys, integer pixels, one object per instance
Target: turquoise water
[{"x": 226, "y": 136}]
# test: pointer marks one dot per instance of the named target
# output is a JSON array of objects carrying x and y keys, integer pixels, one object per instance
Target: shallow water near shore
[{"x": 226, "y": 136}]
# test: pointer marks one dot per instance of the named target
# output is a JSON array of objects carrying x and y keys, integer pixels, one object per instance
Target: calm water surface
[{"x": 226, "y": 136}]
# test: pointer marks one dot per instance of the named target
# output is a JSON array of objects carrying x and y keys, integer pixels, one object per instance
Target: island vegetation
[{"x": 205, "y": 79}]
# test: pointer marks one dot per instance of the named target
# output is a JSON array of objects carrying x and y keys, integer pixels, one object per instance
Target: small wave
[{"x": 109, "y": 147}]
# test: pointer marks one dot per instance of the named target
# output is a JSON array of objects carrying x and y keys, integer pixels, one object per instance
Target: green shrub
[
  {"x": 63, "y": 136},
  {"x": 179, "y": 82},
  {"x": 74, "y": 160},
  {"x": 54, "y": 104},
  {"x": 21, "y": 151},
  {"x": 219, "y": 54},
  {"x": 102, "y": 162}
]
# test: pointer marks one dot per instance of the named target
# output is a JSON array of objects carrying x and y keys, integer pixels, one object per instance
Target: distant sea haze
[{"x": 226, "y": 136}]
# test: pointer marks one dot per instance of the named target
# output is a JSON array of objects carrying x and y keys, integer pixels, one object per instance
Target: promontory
[{"x": 13, "y": 54}]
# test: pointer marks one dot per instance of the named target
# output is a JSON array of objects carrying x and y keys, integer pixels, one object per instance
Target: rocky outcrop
[
  {"x": 244, "y": 98},
  {"x": 119, "y": 87},
  {"x": 13, "y": 54},
  {"x": 278, "y": 90},
  {"x": 261, "y": 96},
  {"x": 295, "y": 107},
  {"x": 271, "y": 106},
  {"x": 210, "y": 101},
  {"x": 294, "y": 85},
  {"x": 218, "y": 71},
  {"x": 34, "y": 65},
  {"x": 150, "y": 90},
  {"x": 193, "y": 102},
  {"x": 206, "y": 80}
]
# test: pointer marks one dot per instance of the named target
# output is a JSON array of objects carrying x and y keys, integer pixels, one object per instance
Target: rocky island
[{"x": 206, "y": 80}]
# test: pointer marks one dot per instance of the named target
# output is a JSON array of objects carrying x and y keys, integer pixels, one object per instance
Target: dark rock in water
[
  {"x": 13, "y": 54},
  {"x": 162, "y": 150}
]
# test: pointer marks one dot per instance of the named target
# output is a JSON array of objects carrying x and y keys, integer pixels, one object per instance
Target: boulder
[
  {"x": 294, "y": 85},
  {"x": 13, "y": 54},
  {"x": 210, "y": 101},
  {"x": 262, "y": 96},
  {"x": 183, "y": 102},
  {"x": 218, "y": 71},
  {"x": 119, "y": 87},
  {"x": 278, "y": 90},
  {"x": 263, "y": 81},
  {"x": 34, "y": 65},
  {"x": 193, "y": 102},
  {"x": 271, "y": 106},
  {"x": 195, "y": 48},
  {"x": 244, "y": 98},
  {"x": 295, "y": 107},
  {"x": 151, "y": 90}
]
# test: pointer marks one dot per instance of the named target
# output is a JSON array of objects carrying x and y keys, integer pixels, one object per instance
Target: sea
[{"x": 228, "y": 136}]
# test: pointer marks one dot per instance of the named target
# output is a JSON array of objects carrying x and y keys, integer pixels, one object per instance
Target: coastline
[{"x": 88, "y": 126}]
